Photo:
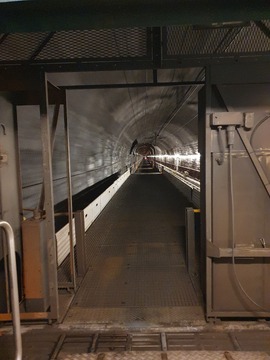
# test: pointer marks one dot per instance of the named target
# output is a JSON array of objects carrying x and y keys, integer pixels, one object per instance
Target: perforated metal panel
[
  {"x": 103, "y": 43},
  {"x": 189, "y": 40},
  {"x": 134, "y": 43},
  {"x": 77, "y": 44},
  {"x": 20, "y": 46}
]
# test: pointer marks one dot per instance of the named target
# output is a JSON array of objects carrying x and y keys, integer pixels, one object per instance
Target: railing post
[
  {"x": 80, "y": 242},
  {"x": 13, "y": 288},
  {"x": 190, "y": 241},
  {"x": 49, "y": 198}
]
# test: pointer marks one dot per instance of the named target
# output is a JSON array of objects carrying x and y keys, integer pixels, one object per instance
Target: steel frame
[
  {"x": 49, "y": 198},
  {"x": 69, "y": 196},
  {"x": 79, "y": 65},
  {"x": 156, "y": 57}
]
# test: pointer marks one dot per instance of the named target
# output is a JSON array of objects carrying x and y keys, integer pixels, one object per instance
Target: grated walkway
[{"x": 135, "y": 251}]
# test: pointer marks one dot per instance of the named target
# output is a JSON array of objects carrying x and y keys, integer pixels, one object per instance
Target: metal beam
[
  {"x": 132, "y": 85},
  {"x": 157, "y": 47},
  {"x": 173, "y": 62},
  {"x": 52, "y": 15},
  {"x": 3, "y": 38},
  {"x": 80, "y": 242},
  {"x": 263, "y": 28},
  {"x": 41, "y": 46},
  {"x": 70, "y": 205},
  {"x": 49, "y": 198},
  {"x": 53, "y": 132}
]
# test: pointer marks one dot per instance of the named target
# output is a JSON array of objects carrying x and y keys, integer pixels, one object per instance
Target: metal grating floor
[
  {"x": 46, "y": 342},
  {"x": 172, "y": 355},
  {"x": 135, "y": 251}
]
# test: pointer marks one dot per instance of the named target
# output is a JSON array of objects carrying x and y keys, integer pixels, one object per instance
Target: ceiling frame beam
[{"x": 132, "y": 85}]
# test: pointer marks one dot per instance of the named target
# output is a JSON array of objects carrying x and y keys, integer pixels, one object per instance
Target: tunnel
[{"x": 134, "y": 173}]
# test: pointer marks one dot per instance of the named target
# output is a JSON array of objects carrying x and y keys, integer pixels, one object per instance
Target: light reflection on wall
[{"x": 185, "y": 160}]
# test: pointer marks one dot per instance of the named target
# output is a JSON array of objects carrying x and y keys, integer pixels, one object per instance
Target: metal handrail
[{"x": 13, "y": 288}]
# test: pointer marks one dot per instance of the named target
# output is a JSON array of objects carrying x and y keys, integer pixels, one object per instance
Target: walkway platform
[
  {"x": 137, "y": 274},
  {"x": 137, "y": 300}
]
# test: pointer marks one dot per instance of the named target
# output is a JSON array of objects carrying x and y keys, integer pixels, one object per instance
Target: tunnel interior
[
  {"x": 115, "y": 144},
  {"x": 112, "y": 130}
]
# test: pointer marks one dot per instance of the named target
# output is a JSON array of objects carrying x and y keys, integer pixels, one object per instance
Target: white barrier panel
[
  {"x": 91, "y": 212},
  {"x": 99, "y": 204},
  {"x": 62, "y": 242}
]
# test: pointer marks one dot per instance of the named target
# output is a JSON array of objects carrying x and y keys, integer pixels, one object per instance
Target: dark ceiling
[{"x": 134, "y": 83}]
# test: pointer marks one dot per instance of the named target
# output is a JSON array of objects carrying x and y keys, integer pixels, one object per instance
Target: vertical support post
[
  {"x": 80, "y": 242},
  {"x": 54, "y": 126},
  {"x": 49, "y": 198},
  {"x": 190, "y": 241},
  {"x": 70, "y": 207},
  {"x": 157, "y": 50},
  {"x": 208, "y": 186}
]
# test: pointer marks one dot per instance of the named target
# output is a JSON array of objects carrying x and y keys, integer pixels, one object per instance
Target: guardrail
[
  {"x": 91, "y": 212},
  {"x": 187, "y": 185},
  {"x": 13, "y": 288}
]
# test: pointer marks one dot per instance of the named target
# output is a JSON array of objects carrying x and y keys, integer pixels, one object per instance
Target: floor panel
[{"x": 135, "y": 251}]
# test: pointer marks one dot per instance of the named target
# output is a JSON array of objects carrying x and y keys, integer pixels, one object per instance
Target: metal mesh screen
[
  {"x": 189, "y": 40},
  {"x": 134, "y": 43},
  {"x": 103, "y": 43},
  {"x": 64, "y": 45},
  {"x": 14, "y": 47},
  {"x": 250, "y": 39}
]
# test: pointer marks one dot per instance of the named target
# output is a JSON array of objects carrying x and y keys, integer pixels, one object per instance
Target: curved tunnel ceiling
[{"x": 163, "y": 117}]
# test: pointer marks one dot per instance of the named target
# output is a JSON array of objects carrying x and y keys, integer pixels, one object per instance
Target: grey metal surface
[
  {"x": 240, "y": 222},
  {"x": 136, "y": 258},
  {"x": 137, "y": 316},
  {"x": 190, "y": 240}
]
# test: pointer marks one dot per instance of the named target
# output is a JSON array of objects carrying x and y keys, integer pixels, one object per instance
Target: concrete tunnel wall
[{"x": 103, "y": 126}]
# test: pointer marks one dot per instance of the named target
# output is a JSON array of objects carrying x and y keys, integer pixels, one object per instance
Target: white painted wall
[{"x": 9, "y": 198}]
